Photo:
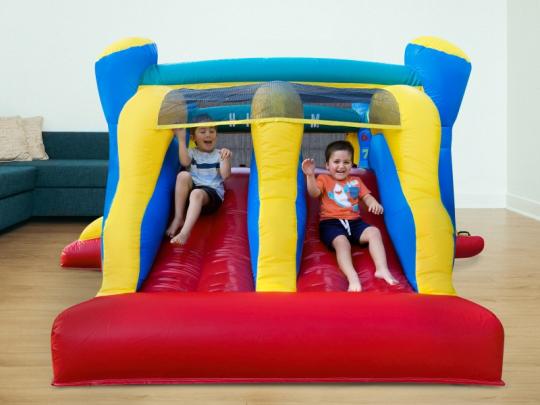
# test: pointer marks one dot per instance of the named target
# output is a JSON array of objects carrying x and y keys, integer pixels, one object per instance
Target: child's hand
[
  {"x": 375, "y": 208},
  {"x": 180, "y": 133},
  {"x": 308, "y": 167},
  {"x": 225, "y": 154}
]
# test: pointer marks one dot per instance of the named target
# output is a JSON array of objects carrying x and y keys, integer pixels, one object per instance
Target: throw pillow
[
  {"x": 13, "y": 145},
  {"x": 34, "y": 137}
]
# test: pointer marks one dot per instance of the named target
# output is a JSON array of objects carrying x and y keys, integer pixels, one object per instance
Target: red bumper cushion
[
  {"x": 468, "y": 246},
  {"x": 271, "y": 337},
  {"x": 82, "y": 253}
]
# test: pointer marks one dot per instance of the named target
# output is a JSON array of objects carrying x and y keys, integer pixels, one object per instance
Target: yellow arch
[
  {"x": 141, "y": 152},
  {"x": 277, "y": 150},
  {"x": 415, "y": 150}
]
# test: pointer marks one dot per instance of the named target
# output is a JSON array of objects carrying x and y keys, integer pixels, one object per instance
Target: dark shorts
[
  {"x": 214, "y": 202},
  {"x": 330, "y": 229}
]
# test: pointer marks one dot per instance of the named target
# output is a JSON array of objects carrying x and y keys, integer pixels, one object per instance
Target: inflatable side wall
[
  {"x": 142, "y": 166},
  {"x": 405, "y": 162},
  {"x": 444, "y": 70}
]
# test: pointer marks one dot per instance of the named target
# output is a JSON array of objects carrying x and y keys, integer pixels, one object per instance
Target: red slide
[
  {"x": 319, "y": 270},
  {"x": 219, "y": 246},
  {"x": 216, "y": 257}
]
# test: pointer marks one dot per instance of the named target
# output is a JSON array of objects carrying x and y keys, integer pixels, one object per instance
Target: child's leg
[
  {"x": 372, "y": 236},
  {"x": 344, "y": 259},
  {"x": 184, "y": 184},
  {"x": 197, "y": 199}
]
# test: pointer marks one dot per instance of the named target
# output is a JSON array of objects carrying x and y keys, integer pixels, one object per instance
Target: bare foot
[
  {"x": 180, "y": 239},
  {"x": 385, "y": 275},
  {"x": 354, "y": 285},
  {"x": 173, "y": 228}
]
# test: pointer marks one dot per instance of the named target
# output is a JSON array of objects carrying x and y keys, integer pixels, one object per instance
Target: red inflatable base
[
  {"x": 157, "y": 338},
  {"x": 467, "y": 245},
  {"x": 82, "y": 253}
]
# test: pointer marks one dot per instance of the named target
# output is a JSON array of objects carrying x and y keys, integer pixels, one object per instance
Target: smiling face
[
  {"x": 340, "y": 164},
  {"x": 205, "y": 138}
]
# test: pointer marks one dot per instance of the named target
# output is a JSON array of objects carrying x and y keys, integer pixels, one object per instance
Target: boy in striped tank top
[{"x": 207, "y": 168}]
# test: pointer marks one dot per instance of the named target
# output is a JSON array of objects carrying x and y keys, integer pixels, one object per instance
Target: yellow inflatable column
[
  {"x": 141, "y": 152},
  {"x": 92, "y": 230},
  {"x": 277, "y": 148},
  {"x": 415, "y": 151},
  {"x": 352, "y": 137}
]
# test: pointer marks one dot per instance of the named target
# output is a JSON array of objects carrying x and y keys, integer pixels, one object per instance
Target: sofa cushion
[
  {"x": 72, "y": 202},
  {"x": 15, "y": 209},
  {"x": 68, "y": 172},
  {"x": 76, "y": 145},
  {"x": 15, "y": 180}
]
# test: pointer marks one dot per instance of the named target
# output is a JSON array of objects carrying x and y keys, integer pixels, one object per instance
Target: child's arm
[
  {"x": 225, "y": 165},
  {"x": 185, "y": 159},
  {"x": 308, "y": 167},
  {"x": 372, "y": 204}
]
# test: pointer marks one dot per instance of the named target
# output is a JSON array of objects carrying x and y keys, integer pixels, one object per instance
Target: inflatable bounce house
[{"x": 254, "y": 296}]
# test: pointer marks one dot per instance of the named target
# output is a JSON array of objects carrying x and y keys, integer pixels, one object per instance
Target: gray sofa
[{"x": 71, "y": 183}]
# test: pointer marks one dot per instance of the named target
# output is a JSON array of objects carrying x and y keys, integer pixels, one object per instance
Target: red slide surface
[
  {"x": 180, "y": 268},
  {"x": 216, "y": 257},
  {"x": 319, "y": 270}
]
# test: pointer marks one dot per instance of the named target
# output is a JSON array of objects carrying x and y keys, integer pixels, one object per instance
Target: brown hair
[
  {"x": 338, "y": 145},
  {"x": 197, "y": 119}
]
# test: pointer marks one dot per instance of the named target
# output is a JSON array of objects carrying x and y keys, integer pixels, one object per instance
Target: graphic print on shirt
[{"x": 345, "y": 196}]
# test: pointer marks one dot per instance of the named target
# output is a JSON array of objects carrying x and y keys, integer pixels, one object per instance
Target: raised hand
[
  {"x": 225, "y": 154},
  {"x": 180, "y": 133},
  {"x": 308, "y": 167}
]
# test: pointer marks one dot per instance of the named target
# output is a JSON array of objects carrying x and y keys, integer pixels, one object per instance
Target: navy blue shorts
[
  {"x": 214, "y": 202},
  {"x": 330, "y": 229}
]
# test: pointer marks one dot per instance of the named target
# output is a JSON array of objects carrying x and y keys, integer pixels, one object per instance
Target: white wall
[
  {"x": 523, "y": 107},
  {"x": 49, "y": 48}
]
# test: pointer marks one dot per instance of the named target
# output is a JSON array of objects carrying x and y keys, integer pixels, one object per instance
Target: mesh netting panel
[
  {"x": 241, "y": 146},
  {"x": 240, "y": 106}
]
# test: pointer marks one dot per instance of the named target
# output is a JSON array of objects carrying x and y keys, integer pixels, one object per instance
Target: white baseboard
[
  {"x": 524, "y": 206},
  {"x": 480, "y": 200}
]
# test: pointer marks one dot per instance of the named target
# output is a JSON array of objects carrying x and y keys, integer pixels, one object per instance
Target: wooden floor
[{"x": 33, "y": 290}]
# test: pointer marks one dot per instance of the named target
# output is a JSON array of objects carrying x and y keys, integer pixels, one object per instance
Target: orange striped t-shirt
[{"x": 340, "y": 198}]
